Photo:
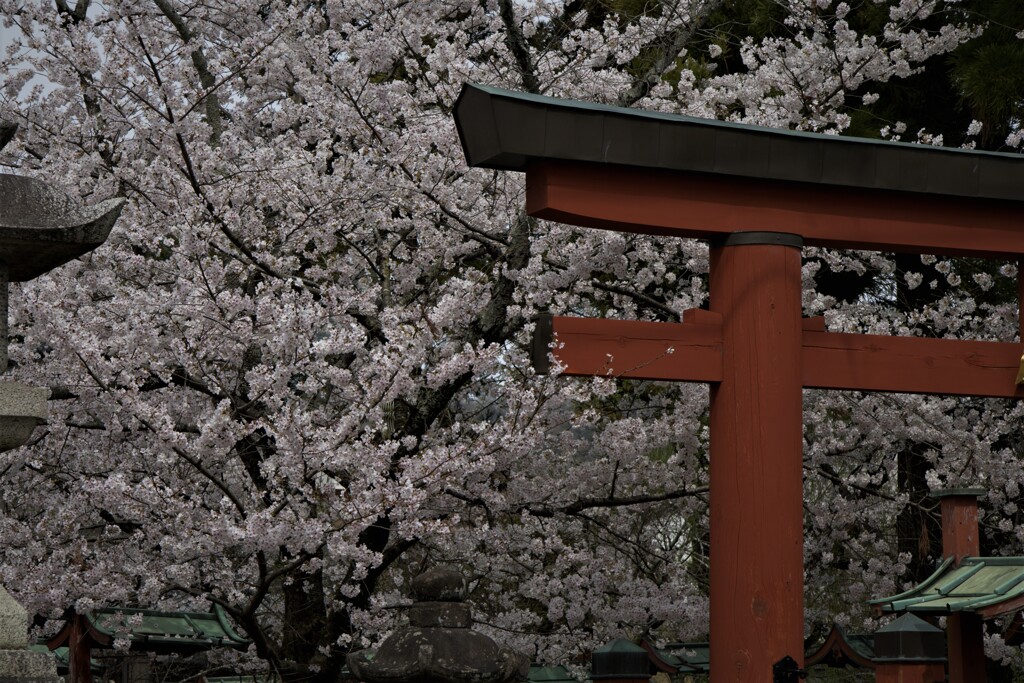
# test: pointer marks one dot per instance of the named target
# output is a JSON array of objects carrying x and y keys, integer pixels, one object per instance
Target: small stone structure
[
  {"x": 41, "y": 228},
  {"x": 439, "y": 646},
  {"x": 17, "y": 663}
]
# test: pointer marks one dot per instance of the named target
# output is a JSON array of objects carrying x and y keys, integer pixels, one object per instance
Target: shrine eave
[
  {"x": 151, "y": 630},
  {"x": 986, "y": 586},
  {"x": 507, "y": 130},
  {"x": 840, "y": 648}
]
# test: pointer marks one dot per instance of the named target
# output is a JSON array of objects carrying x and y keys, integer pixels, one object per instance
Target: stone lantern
[
  {"x": 41, "y": 228},
  {"x": 439, "y": 646}
]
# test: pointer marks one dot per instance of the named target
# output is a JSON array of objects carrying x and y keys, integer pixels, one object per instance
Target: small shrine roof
[
  {"x": 154, "y": 631},
  {"x": 987, "y": 586},
  {"x": 508, "y": 130},
  {"x": 840, "y": 648},
  {"x": 680, "y": 657},
  {"x": 550, "y": 674}
]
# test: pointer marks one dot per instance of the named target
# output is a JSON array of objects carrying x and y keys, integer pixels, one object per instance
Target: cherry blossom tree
[{"x": 298, "y": 372}]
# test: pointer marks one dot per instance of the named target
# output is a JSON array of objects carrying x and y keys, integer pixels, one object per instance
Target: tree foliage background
[{"x": 297, "y": 374}]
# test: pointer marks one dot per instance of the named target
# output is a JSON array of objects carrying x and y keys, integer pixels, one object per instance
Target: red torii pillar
[
  {"x": 756, "y": 462},
  {"x": 757, "y": 196}
]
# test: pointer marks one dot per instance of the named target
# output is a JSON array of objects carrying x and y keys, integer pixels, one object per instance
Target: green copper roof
[
  {"x": 180, "y": 628},
  {"x": 550, "y": 674},
  {"x": 153, "y": 631},
  {"x": 946, "y": 493},
  {"x": 620, "y": 645},
  {"x": 691, "y": 657},
  {"x": 989, "y": 586}
]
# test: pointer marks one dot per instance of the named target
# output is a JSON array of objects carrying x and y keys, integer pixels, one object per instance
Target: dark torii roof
[
  {"x": 660, "y": 174},
  {"x": 987, "y": 586},
  {"x": 153, "y": 631},
  {"x": 507, "y": 130}
]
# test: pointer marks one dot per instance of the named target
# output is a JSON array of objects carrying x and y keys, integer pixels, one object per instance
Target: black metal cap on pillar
[
  {"x": 910, "y": 639},
  {"x": 620, "y": 660}
]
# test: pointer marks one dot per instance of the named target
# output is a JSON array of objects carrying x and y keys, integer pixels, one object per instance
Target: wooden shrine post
[
  {"x": 960, "y": 539},
  {"x": 79, "y": 651},
  {"x": 757, "y": 196}
]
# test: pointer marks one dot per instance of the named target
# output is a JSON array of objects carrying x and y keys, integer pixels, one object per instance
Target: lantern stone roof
[
  {"x": 987, "y": 586},
  {"x": 506, "y": 130},
  {"x": 41, "y": 227},
  {"x": 153, "y": 631}
]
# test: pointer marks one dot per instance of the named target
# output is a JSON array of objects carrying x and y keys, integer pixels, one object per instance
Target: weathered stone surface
[
  {"x": 441, "y": 614},
  {"x": 42, "y": 228},
  {"x": 22, "y": 409},
  {"x": 440, "y": 584},
  {"x": 440, "y": 655},
  {"x": 25, "y": 664},
  {"x": 17, "y": 664},
  {"x": 13, "y": 623},
  {"x": 439, "y": 646}
]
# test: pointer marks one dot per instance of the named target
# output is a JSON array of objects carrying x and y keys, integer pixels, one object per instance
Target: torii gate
[{"x": 757, "y": 195}]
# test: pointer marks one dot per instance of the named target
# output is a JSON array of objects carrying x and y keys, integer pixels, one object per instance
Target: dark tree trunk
[{"x": 918, "y": 531}]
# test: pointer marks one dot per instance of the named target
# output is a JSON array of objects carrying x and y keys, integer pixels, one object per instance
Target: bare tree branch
[{"x": 202, "y": 66}]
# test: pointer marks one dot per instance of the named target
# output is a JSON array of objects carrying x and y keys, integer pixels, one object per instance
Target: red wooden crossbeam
[
  {"x": 691, "y": 351},
  {"x": 703, "y": 205}
]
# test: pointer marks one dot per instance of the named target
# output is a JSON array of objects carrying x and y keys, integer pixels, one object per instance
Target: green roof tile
[{"x": 989, "y": 586}]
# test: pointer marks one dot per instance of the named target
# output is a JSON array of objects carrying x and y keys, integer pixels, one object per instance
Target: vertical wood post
[
  {"x": 898, "y": 672},
  {"x": 1020, "y": 300},
  {"x": 965, "y": 631},
  {"x": 79, "y": 654},
  {"x": 757, "y": 600}
]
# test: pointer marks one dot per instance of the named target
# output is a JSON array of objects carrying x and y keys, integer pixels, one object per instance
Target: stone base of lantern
[
  {"x": 22, "y": 409},
  {"x": 17, "y": 663}
]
